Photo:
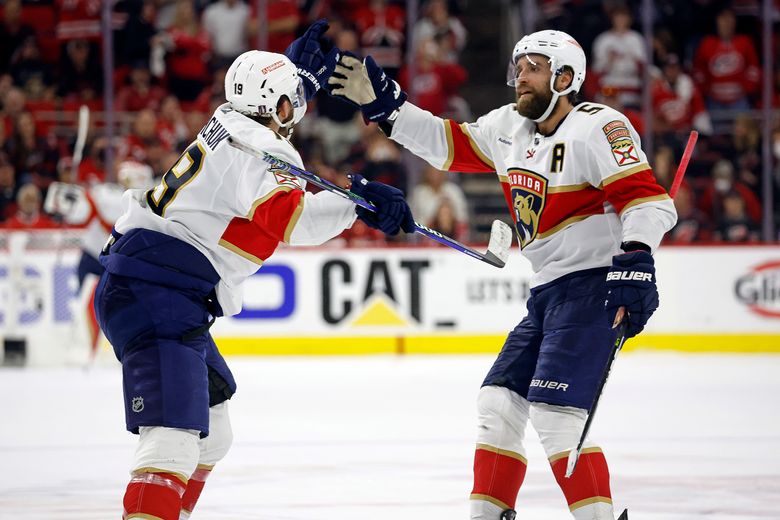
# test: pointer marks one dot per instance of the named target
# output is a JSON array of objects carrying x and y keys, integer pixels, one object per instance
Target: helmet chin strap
[{"x": 555, "y": 94}]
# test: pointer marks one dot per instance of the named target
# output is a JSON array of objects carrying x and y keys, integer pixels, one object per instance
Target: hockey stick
[
  {"x": 574, "y": 455},
  {"x": 500, "y": 233},
  {"x": 686, "y": 157}
]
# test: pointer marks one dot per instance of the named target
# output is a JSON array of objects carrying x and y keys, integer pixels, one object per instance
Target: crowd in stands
[{"x": 171, "y": 57}]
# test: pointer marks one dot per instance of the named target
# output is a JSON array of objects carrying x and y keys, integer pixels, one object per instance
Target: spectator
[
  {"x": 723, "y": 183},
  {"x": 227, "y": 23},
  {"x": 30, "y": 72},
  {"x": 435, "y": 82},
  {"x": 439, "y": 26},
  {"x": 81, "y": 74},
  {"x": 34, "y": 158},
  {"x": 735, "y": 225},
  {"x": 189, "y": 52},
  {"x": 745, "y": 149},
  {"x": 134, "y": 40},
  {"x": 610, "y": 96},
  {"x": 92, "y": 168},
  {"x": 678, "y": 105},
  {"x": 12, "y": 32},
  {"x": 437, "y": 201},
  {"x": 7, "y": 187},
  {"x": 171, "y": 124},
  {"x": 144, "y": 145},
  {"x": 619, "y": 57},
  {"x": 339, "y": 125},
  {"x": 78, "y": 19},
  {"x": 383, "y": 161},
  {"x": 28, "y": 214},
  {"x": 381, "y": 28},
  {"x": 726, "y": 66},
  {"x": 692, "y": 225},
  {"x": 13, "y": 106},
  {"x": 283, "y": 18},
  {"x": 213, "y": 95},
  {"x": 139, "y": 92}
]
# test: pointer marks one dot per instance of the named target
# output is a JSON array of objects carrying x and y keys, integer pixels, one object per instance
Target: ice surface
[{"x": 382, "y": 438}]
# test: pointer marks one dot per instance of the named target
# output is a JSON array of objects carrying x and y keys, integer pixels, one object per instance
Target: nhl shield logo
[
  {"x": 138, "y": 404},
  {"x": 528, "y": 191}
]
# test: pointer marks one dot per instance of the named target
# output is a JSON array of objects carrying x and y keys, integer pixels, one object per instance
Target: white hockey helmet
[
  {"x": 256, "y": 81},
  {"x": 561, "y": 51},
  {"x": 134, "y": 175}
]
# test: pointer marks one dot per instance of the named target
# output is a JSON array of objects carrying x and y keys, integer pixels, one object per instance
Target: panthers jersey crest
[{"x": 528, "y": 191}]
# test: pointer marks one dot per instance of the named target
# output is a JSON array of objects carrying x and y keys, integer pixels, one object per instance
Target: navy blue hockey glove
[
  {"x": 631, "y": 284},
  {"x": 365, "y": 84},
  {"x": 393, "y": 212},
  {"x": 314, "y": 56}
]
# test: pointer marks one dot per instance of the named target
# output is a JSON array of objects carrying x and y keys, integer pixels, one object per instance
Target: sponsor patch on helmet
[{"x": 275, "y": 65}]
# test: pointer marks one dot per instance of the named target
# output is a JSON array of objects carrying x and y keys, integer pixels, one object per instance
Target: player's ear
[
  {"x": 564, "y": 79},
  {"x": 284, "y": 109}
]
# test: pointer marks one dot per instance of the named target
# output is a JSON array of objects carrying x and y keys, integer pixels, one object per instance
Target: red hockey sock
[
  {"x": 590, "y": 481},
  {"x": 194, "y": 488},
  {"x": 154, "y": 495},
  {"x": 498, "y": 475}
]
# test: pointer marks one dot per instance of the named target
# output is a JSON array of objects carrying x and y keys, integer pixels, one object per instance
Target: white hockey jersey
[
  {"x": 96, "y": 208},
  {"x": 235, "y": 208},
  {"x": 574, "y": 195}
]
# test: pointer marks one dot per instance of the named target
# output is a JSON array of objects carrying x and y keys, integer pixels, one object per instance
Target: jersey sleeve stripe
[
  {"x": 564, "y": 208},
  {"x": 251, "y": 214},
  {"x": 450, "y": 145},
  {"x": 624, "y": 173},
  {"x": 565, "y": 223},
  {"x": 463, "y": 154},
  {"x": 636, "y": 189},
  {"x": 568, "y": 188},
  {"x": 643, "y": 200},
  {"x": 240, "y": 252},
  {"x": 485, "y": 159},
  {"x": 293, "y": 220}
]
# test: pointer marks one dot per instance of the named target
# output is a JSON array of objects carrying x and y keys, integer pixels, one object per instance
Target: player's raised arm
[{"x": 445, "y": 144}]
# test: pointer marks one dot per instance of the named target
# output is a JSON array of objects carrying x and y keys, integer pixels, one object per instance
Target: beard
[{"x": 534, "y": 105}]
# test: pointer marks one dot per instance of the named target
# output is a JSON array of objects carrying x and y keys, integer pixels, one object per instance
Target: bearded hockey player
[
  {"x": 178, "y": 257},
  {"x": 586, "y": 208}
]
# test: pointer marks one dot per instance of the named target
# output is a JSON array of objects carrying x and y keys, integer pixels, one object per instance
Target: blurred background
[{"x": 150, "y": 73}]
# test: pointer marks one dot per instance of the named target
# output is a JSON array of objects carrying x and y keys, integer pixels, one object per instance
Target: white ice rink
[{"x": 381, "y": 438}]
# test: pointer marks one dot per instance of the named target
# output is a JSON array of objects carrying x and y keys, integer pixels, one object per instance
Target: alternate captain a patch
[
  {"x": 624, "y": 150},
  {"x": 528, "y": 191}
]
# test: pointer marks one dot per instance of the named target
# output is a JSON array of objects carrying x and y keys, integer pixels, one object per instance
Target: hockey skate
[
  {"x": 509, "y": 514},
  {"x": 623, "y": 515}
]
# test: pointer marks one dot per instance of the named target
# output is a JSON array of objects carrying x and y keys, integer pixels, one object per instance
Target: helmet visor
[
  {"x": 299, "y": 102},
  {"x": 511, "y": 69}
]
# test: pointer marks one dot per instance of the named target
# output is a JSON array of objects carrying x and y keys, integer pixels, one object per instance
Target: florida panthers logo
[{"x": 528, "y": 191}]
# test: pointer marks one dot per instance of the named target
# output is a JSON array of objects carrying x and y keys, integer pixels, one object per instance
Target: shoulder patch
[
  {"x": 624, "y": 150},
  {"x": 284, "y": 178}
]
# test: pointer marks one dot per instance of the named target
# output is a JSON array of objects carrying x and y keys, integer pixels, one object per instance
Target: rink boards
[{"x": 423, "y": 300}]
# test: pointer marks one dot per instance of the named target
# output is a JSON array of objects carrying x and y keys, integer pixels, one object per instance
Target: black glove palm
[{"x": 393, "y": 213}]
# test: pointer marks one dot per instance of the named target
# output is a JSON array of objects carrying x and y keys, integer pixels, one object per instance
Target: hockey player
[
  {"x": 96, "y": 208},
  {"x": 588, "y": 215},
  {"x": 178, "y": 257}
]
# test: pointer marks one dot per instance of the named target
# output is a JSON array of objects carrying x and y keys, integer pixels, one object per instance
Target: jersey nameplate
[{"x": 213, "y": 133}]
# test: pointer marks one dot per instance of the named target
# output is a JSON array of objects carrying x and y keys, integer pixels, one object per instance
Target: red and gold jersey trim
[
  {"x": 463, "y": 153},
  {"x": 149, "y": 469},
  {"x": 623, "y": 174},
  {"x": 565, "y": 454},
  {"x": 487, "y": 498},
  {"x": 506, "y": 453},
  {"x": 588, "y": 501}
]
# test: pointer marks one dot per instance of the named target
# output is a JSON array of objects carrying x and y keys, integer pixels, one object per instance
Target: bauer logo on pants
[{"x": 528, "y": 191}]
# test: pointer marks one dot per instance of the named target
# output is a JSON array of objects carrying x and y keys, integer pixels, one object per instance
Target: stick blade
[
  {"x": 571, "y": 464},
  {"x": 623, "y": 515},
  {"x": 500, "y": 242}
]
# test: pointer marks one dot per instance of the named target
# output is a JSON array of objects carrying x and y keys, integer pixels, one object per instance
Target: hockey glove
[
  {"x": 393, "y": 213},
  {"x": 631, "y": 284},
  {"x": 366, "y": 85},
  {"x": 314, "y": 56}
]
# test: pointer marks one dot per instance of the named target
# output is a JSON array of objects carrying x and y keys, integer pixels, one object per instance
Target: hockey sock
[
  {"x": 194, "y": 489},
  {"x": 154, "y": 495},
  {"x": 498, "y": 475},
  {"x": 587, "y": 490}
]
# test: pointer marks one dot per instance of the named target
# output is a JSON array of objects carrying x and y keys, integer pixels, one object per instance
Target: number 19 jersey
[{"x": 233, "y": 207}]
